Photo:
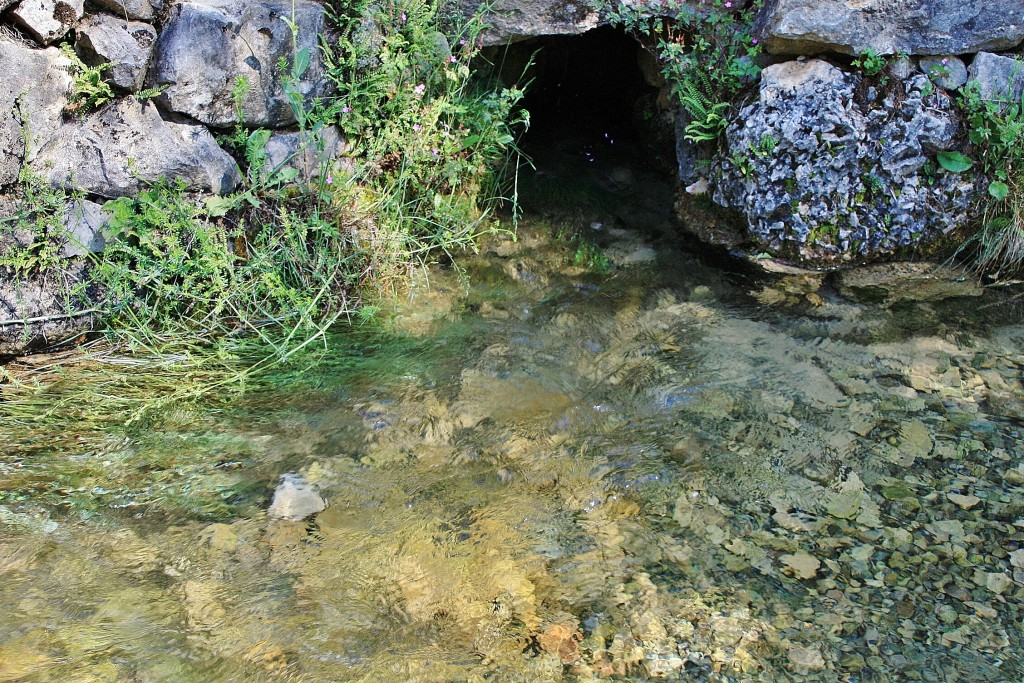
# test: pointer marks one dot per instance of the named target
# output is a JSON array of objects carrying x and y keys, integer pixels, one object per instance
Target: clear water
[{"x": 545, "y": 474}]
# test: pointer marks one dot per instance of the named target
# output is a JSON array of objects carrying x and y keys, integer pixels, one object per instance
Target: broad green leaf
[
  {"x": 998, "y": 189},
  {"x": 954, "y": 162}
]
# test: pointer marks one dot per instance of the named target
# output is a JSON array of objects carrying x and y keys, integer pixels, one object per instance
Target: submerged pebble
[{"x": 295, "y": 499}]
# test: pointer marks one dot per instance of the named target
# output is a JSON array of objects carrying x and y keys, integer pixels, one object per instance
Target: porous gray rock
[
  {"x": 915, "y": 27},
  {"x": 307, "y": 152},
  {"x": 33, "y": 92},
  {"x": 125, "y": 45},
  {"x": 509, "y": 21},
  {"x": 135, "y": 10},
  {"x": 207, "y": 46},
  {"x": 120, "y": 149},
  {"x": 48, "y": 20},
  {"x": 998, "y": 77},
  {"x": 824, "y": 174}
]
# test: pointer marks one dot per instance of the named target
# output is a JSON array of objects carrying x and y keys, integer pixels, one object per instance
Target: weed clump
[{"x": 996, "y": 130}]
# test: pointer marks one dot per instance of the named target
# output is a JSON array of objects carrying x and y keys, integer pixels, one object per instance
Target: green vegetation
[
  {"x": 996, "y": 132},
  {"x": 707, "y": 54},
  {"x": 287, "y": 255},
  {"x": 870, "y": 62},
  {"x": 88, "y": 89}
]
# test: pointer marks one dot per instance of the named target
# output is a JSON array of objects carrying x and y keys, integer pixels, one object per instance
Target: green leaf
[
  {"x": 301, "y": 63},
  {"x": 954, "y": 162},
  {"x": 998, "y": 189},
  {"x": 220, "y": 206}
]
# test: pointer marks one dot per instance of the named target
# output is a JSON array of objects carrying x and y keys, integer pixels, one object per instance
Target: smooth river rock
[{"x": 295, "y": 499}]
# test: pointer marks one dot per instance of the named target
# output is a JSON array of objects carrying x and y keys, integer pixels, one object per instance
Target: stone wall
[
  {"x": 820, "y": 164},
  {"x": 175, "y": 71}
]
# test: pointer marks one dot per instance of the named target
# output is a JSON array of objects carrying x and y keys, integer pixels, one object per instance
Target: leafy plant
[
  {"x": 870, "y": 62},
  {"x": 708, "y": 117},
  {"x": 88, "y": 89},
  {"x": 433, "y": 135},
  {"x": 996, "y": 131}
]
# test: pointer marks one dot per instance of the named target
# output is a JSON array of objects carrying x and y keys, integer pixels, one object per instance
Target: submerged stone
[{"x": 295, "y": 499}]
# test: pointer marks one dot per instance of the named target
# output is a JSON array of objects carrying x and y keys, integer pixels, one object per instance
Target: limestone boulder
[
  {"x": 32, "y": 97},
  {"x": 134, "y": 10},
  {"x": 126, "y": 45},
  {"x": 120, "y": 149},
  {"x": 207, "y": 47},
  {"x": 37, "y": 312},
  {"x": 309, "y": 152},
  {"x": 827, "y": 171},
  {"x": 509, "y": 21},
  {"x": 48, "y": 20},
  {"x": 915, "y": 27},
  {"x": 998, "y": 77}
]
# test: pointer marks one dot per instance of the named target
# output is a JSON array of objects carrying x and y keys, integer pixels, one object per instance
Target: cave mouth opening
[
  {"x": 589, "y": 88},
  {"x": 601, "y": 140}
]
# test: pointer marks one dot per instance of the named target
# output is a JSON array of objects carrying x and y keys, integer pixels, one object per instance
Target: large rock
[
  {"x": 509, "y": 21},
  {"x": 125, "y": 45},
  {"x": 998, "y": 77},
  {"x": 137, "y": 10},
  {"x": 825, "y": 175},
  {"x": 118, "y": 150},
  {"x": 33, "y": 92},
  {"x": 916, "y": 27},
  {"x": 207, "y": 46},
  {"x": 48, "y": 20}
]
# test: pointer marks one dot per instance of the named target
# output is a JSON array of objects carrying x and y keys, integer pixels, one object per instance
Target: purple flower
[
  {"x": 945, "y": 61},
  {"x": 753, "y": 41},
  {"x": 462, "y": 42},
  {"x": 435, "y": 150},
  {"x": 346, "y": 109},
  {"x": 420, "y": 88},
  {"x": 728, "y": 5},
  {"x": 404, "y": 18},
  {"x": 453, "y": 59},
  {"x": 415, "y": 126},
  {"x": 330, "y": 180}
]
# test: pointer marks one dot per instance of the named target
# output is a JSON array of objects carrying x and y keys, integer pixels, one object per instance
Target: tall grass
[{"x": 996, "y": 130}]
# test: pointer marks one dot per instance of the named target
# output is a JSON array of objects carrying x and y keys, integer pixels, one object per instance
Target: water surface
[{"x": 541, "y": 472}]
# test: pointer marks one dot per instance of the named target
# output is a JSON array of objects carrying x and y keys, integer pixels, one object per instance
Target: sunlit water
[{"x": 548, "y": 474}]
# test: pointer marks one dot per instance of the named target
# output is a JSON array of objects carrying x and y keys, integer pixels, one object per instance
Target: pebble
[{"x": 295, "y": 499}]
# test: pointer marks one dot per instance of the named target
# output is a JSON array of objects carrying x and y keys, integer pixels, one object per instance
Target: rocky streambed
[{"x": 541, "y": 473}]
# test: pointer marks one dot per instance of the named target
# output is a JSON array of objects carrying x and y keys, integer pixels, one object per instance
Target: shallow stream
[{"x": 544, "y": 472}]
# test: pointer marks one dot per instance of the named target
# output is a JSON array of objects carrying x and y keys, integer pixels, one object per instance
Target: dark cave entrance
[
  {"x": 589, "y": 86},
  {"x": 600, "y": 143}
]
